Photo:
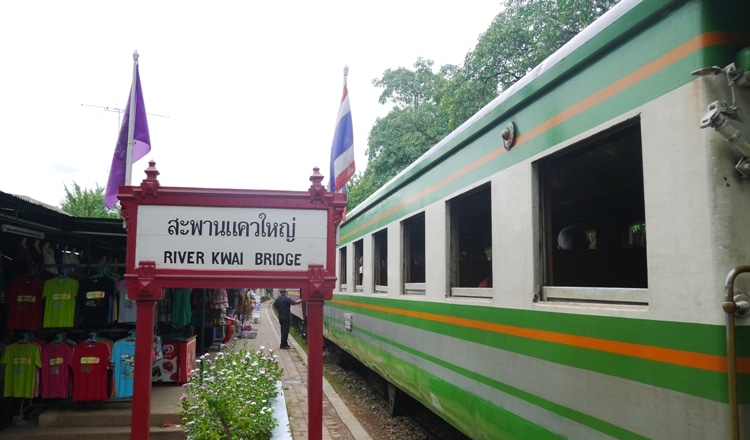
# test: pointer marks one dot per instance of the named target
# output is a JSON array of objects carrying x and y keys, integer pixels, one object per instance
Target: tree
[
  {"x": 87, "y": 203},
  {"x": 524, "y": 35},
  {"x": 415, "y": 123},
  {"x": 428, "y": 105}
]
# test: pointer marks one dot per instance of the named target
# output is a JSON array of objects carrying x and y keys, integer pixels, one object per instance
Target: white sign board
[{"x": 205, "y": 238}]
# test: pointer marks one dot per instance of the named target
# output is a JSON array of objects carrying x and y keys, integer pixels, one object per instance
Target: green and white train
[{"x": 570, "y": 262}]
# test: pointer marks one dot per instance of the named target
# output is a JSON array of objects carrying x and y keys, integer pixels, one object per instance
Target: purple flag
[{"x": 141, "y": 144}]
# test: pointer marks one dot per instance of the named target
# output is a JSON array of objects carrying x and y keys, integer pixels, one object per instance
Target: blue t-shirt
[{"x": 123, "y": 356}]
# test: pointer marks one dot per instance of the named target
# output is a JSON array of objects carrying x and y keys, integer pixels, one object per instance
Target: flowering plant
[{"x": 228, "y": 397}]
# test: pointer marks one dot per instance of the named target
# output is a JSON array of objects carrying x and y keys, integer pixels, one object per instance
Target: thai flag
[
  {"x": 141, "y": 141},
  {"x": 342, "y": 149}
]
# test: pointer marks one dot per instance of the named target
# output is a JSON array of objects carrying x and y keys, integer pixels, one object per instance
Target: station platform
[
  {"x": 338, "y": 422},
  {"x": 111, "y": 420}
]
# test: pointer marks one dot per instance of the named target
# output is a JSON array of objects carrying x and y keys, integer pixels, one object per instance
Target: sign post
[{"x": 208, "y": 238}]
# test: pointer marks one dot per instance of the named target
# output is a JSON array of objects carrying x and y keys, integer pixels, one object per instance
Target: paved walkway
[{"x": 338, "y": 422}]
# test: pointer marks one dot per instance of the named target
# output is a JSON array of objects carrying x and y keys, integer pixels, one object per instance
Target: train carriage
[{"x": 569, "y": 262}]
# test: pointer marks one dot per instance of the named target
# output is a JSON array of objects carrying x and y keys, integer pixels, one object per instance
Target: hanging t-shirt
[
  {"x": 22, "y": 361},
  {"x": 57, "y": 370},
  {"x": 127, "y": 312},
  {"x": 123, "y": 358},
  {"x": 25, "y": 298},
  {"x": 90, "y": 368},
  {"x": 218, "y": 299},
  {"x": 49, "y": 258},
  {"x": 164, "y": 306},
  {"x": 96, "y": 298},
  {"x": 182, "y": 312},
  {"x": 21, "y": 258},
  {"x": 60, "y": 302}
]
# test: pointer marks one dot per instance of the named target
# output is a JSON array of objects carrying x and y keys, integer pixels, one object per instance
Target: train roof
[{"x": 623, "y": 18}]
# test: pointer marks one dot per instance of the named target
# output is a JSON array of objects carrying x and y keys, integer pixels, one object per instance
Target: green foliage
[
  {"x": 428, "y": 105},
  {"x": 409, "y": 89},
  {"x": 228, "y": 397},
  {"x": 361, "y": 186},
  {"x": 524, "y": 35},
  {"x": 87, "y": 203}
]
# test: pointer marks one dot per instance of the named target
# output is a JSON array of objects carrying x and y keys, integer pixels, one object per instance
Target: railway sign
[{"x": 231, "y": 238}]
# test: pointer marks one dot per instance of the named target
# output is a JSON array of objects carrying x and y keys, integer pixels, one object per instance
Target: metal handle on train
[
  {"x": 734, "y": 305},
  {"x": 718, "y": 117}
]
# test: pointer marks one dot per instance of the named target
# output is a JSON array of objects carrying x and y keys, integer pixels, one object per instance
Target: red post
[
  {"x": 315, "y": 369},
  {"x": 144, "y": 348}
]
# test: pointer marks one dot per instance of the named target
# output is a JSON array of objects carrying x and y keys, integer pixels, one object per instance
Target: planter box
[{"x": 248, "y": 334}]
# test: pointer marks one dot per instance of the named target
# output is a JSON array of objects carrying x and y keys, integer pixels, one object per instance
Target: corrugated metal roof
[
  {"x": 99, "y": 236},
  {"x": 42, "y": 204}
]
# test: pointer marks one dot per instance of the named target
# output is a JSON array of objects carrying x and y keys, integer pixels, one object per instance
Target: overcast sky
[{"x": 241, "y": 94}]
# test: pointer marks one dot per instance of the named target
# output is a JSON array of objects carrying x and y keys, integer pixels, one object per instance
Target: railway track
[
  {"x": 400, "y": 404},
  {"x": 434, "y": 427}
]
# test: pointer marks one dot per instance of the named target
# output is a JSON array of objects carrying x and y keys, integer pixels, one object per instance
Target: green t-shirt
[
  {"x": 59, "y": 302},
  {"x": 21, "y": 362}
]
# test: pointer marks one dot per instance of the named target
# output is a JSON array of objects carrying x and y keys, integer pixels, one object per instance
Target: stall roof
[{"x": 22, "y": 215}]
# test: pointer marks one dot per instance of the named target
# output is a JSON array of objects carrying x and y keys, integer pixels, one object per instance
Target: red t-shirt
[
  {"x": 90, "y": 371},
  {"x": 25, "y": 298}
]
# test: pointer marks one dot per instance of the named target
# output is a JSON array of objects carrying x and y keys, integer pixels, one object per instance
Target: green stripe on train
[
  {"x": 476, "y": 417},
  {"x": 696, "y": 338}
]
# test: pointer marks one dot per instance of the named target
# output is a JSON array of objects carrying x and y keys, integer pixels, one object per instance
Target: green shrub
[{"x": 228, "y": 397}]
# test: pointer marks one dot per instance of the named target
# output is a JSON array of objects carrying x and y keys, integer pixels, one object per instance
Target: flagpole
[{"x": 131, "y": 122}]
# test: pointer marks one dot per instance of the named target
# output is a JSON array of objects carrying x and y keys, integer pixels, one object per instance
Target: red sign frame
[{"x": 145, "y": 280}]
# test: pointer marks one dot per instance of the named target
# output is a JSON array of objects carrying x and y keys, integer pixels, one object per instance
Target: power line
[{"x": 118, "y": 111}]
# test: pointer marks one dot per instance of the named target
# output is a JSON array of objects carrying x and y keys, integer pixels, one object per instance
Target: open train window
[
  {"x": 343, "y": 272},
  {"x": 358, "y": 265},
  {"x": 594, "y": 219},
  {"x": 471, "y": 242},
  {"x": 414, "y": 254},
  {"x": 380, "y": 260}
]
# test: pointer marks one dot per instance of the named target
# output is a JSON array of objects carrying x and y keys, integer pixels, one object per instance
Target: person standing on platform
[{"x": 283, "y": 305}]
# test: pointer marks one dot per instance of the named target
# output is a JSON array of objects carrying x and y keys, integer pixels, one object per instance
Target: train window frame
[
  {"x": 343, "y": 271},
  {"x": 380, "y": 261},
  {"x": 592, "y": 194},
  {"x": 413, "y": 242},
  {"x": 359, "y": 265},
  {"x": 470, "y": 242}
]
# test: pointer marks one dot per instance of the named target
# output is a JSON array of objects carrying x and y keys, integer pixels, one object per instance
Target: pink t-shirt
[{"x": 57, "y": 370}]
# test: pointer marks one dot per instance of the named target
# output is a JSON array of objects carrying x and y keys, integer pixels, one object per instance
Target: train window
[
  {"x": 342, "y": 269},
  {"x": 593, "y": 217},
  {"x": 471, "y": 242},
  {"x": 358, "y": 265},
  {"x": 637, "y": 235},
  {"x": 414, "y": 254},
  {"x": 380, "y": 247}
]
